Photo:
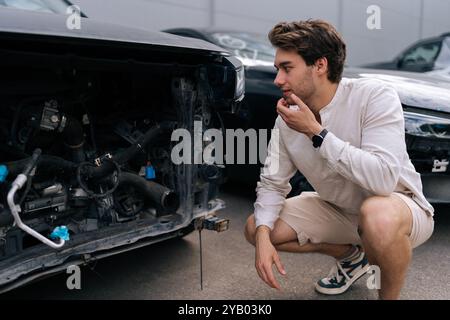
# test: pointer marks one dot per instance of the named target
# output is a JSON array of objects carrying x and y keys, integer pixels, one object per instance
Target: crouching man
[{"x": 346, "y": 136}]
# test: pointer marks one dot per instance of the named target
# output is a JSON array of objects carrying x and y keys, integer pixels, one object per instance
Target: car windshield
[
  {"x": 51, "y": 6},
  {"x": 251, "y": 49}
]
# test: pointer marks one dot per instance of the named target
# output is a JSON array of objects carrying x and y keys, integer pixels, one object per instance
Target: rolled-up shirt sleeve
[
  {"x": 375, "y": 166},
  {"x": 273, "y": 186}
]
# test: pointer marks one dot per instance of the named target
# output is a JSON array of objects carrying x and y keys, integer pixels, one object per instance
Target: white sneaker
[{"x": 343, "y": 275}]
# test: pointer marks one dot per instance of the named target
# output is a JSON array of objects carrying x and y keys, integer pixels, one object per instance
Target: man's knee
[
  {"x": 380, "y": 221},
  {"x": 281, "y": 232},
  {"x": 250, "y": 229}
]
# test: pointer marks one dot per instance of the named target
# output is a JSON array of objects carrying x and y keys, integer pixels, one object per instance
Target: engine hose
[
  {"x": 74, "y": 138},
  {"x": 18, "y": 110},
  {"x": 17, "y": 167},
  {"x": 153, "y": 191},
  {"x": 6, "y": 217},
  {"x": 32, "y": 162},
  {"x": 124, "y": 156},
  {"x": 83, "y": 168}
]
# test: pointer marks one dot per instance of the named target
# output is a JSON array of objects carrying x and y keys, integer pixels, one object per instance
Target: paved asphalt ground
[{"x": 170, "y": 270}]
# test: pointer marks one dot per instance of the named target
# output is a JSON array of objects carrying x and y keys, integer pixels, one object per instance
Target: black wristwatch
[{"x": 317, "y": 139}]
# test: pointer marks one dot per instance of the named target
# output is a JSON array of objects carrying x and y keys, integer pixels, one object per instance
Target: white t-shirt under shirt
[{"x": 363, "y": 155}]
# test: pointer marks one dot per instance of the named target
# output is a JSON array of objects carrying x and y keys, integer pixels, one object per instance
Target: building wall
[{"x": 402, "y": 21}]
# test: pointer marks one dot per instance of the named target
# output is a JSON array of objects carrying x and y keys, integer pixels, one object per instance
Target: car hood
[
  {"x": 384, "y": 65},
  {"x": 414, "y": 89},
  {"x": 21, "y": 23}
]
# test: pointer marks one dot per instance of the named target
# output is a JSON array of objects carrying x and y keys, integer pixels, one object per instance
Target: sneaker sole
[{"x": 335, "y": 291}]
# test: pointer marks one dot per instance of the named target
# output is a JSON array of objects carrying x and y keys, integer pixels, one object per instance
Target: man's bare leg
[
  {"x": 385, "y": 225},
  {"x": 284, "y": 238}
]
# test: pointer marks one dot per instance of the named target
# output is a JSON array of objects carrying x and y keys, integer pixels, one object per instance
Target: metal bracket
[
  {"x": 98, "y": 162},
  {"x": 212, "y": 222}
]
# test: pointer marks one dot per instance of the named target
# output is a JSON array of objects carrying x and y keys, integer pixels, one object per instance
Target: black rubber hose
[
  {"x": 18, "y": 111},
  {"x": 26, "y": 191},
  {"x": 153, "y": 191},
  {"x": 73, "y": 132},
  {"x": 149, "y": 136},
  {"x": 32, "y": 162},
  {"x": 129, "y": 153},
  {"x": 81, "y": 172},
  {"x": 73, "y": 135},
  {"x": 17, "y": 167},
  {"x": 6, "y": 218}
]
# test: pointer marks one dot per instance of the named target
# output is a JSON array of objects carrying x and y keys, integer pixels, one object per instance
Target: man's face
[{"x": 293, "y": 75}]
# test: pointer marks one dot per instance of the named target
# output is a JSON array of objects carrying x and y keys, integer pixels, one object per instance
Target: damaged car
[
  {"x": 425, "y": 99},
  {"x": 87, "y": 118}
]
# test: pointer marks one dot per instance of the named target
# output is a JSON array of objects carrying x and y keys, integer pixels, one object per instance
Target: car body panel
[
  {"x": 52, "y": 27},
  {"x": 416, "y": 90}
]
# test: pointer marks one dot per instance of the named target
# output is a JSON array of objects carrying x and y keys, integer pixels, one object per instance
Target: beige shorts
[{"x": 318, "y": 221}]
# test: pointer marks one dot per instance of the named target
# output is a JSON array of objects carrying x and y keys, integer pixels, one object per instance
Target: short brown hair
[{"x": 312, "y": 39}]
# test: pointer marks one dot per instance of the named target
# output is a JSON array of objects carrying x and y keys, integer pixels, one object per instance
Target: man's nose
[{"x": 279, "y": 79}]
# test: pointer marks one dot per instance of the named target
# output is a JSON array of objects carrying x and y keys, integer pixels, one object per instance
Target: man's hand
[
  {"x": 301, "y": 120},
  {"x": 266, "y": 256}
]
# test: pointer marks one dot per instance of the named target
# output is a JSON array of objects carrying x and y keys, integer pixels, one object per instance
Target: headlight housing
[
  {"x": 422, "y": 125},
  {"x": 239, "y": 77}
]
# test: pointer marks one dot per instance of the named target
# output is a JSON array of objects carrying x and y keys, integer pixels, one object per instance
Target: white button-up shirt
[{"x": 364, "y": 153}]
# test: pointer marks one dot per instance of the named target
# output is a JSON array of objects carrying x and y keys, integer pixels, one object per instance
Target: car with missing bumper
[
  {"x": 86, "y": 139},
  {"x": 425, "y": 99}
]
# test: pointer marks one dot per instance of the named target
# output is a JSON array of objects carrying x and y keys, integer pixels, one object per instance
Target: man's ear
[{"x": 321, "y": 66}]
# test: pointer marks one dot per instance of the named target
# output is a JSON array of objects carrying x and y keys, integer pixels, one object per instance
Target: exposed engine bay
[{"x": 94, "y": 140}]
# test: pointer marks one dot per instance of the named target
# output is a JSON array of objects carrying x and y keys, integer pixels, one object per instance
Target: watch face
[{"x": 317, "y": 141}]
